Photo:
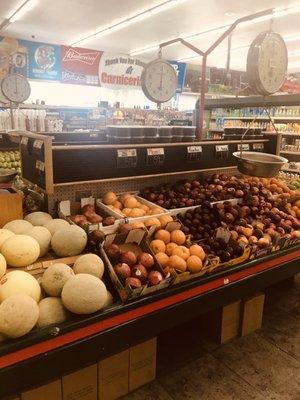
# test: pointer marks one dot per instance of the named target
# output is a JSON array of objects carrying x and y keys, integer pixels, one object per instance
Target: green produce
[{"x": 10, "y": 160}]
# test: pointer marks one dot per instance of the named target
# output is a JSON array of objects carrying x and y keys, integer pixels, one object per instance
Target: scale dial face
[
  {"x": 267, "y": 63},
  {"x": 15, "y": 88},
  {"x": 159, "y": 81}
]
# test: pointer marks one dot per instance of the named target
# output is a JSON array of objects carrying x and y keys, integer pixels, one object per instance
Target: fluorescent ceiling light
[
  {"x": 20, "y": 11},
  {"x": 123, "y": 23},
  {"x": 277, "y": 13}
]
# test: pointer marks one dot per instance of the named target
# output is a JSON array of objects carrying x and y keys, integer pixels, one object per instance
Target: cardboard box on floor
[
  {"x": 252, "y": 313},
  {"x": 113, "y": 376},
  {"x": 142, "y": 364},
  {"x": 11, "y": 207},
  {"x": 224, "y": 323},
  {"x": 51, "y": 391},
  {"x": 80, "y": 385}
]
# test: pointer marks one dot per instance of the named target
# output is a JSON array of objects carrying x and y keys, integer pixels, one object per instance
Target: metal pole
[{"x": 202, "y": 99}]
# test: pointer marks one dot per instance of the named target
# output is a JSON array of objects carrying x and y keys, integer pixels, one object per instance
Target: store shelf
[
  {"x": 258, "y": 118},
  {"x": 290, "y": 170},
  {"x": 295, "y": 153},
  {"x": 47, "y": 354},
  {"x": 254, "y": 101}
]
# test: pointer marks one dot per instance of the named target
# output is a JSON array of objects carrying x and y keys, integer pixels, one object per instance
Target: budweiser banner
[
  {"x": 120, "y": 71},
  {"x": 80, "y": 66}
]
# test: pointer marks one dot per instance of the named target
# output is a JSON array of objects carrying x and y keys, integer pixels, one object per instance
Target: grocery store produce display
[
  {"x": 189, "y": 229},
  {"x": 10, "y": 160}
]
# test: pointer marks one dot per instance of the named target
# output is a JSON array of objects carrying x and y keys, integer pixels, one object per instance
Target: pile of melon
[
  {"x": 25, "y": 303},
  {"x": 22, "y": 242}
]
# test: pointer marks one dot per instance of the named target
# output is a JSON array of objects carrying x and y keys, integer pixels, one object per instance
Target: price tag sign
[
  {"x": 258, "y": 146},
  {"x": 155, "y": 156},
  {"x": 24, "y": 140},
  {"x": 40, "y": 165},
  {"x": 93, "y": 135},
  {"x": 244, "y": 146},
  {"x": 194, "y": 153},
  {"x": 222, "y": 148},
  {"x": 38, "y": 144},
  {"x": 126, "y": 158}
]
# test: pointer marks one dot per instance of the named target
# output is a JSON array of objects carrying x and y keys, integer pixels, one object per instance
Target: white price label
[
  {"x": 24, "y": 140},
  {"x": 155, "y": 151},
  {"x": 40, "y": 165},
  {"x": 194, "y": 149},
  {"x": 38, "y": 144},
  {"x": 222, "y": 147},
  {"x": 93, "y": 135},
  {"x": 226, "y": 281},
  {"x": 127, "y": 153},
  {"x": 244, "y": 146},
  {"x": 258, "y": 146}
]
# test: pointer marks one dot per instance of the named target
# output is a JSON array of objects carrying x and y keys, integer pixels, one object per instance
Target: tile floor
[{"x": 264, "y": 365}]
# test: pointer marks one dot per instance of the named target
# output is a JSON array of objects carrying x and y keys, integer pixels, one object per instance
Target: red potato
[
  {"x": 133, "y": 282},
  {"x": 122, "y": 270},
  {"x": 154, "y": 278}
]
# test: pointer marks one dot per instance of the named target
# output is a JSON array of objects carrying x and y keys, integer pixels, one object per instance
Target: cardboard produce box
[
  {"x": 135, "y": 241},
  {"x": 80, "y": 385},
  {"x": 142, "y": 364},
  {"x": 51, "y": 391},
  {"x": 252, "y": 313},
  {"x": 11, "y": 207},
  {"x": 113, "y": 376},
  {"x": 224, "y": 323},
  {"x": 67, "y": 209}
]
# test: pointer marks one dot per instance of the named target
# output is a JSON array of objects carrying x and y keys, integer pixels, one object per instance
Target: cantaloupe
[
  {"x": 69, "y": 241},
  {"x": 38, "y": 218},
  {"x": 18, "y": 226},
  {"x": 20, "y": 250},
  {"x": 56, "y": 224},
  {"x": 84, "y": 294},
  {"x": 2, "y": 266},
  {"x": 19, "y": 282},
  {"x": 42, "y": 236},
  {"x": 54, "y": 278},
  {"x": 4, "y": 234},
  {"x": 51, "y": 311},
  {"x": 18, "y": 315},
  {"x": 89, "y": 264}
]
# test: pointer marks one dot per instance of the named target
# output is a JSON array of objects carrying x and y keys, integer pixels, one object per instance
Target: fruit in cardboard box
[
  {"x": 124, "y": 228},
  {"x": 178, "y": 237},
  {"x": 113, "y": 251},
  {"x": 157, "y": 246},
  {"x": 107, "y": 221},
  {"x": 95, "y": 237},
  {"x": 51, "y": 311},
  {"x": 163, "y": 235},
  {"x": 130, "y": 202},
  {"x": 165, "y": 219},
  {"x": 19, "y": 282},
  {"x": 146, "y": 260},
  {"x": 177, "y": 263},
  {"x": 18, "y": 315},
  {"x": 162, "y": 259},
  {"x": 84, "y": 294},
  {"x": 154, "y": 278},
  {"x": 194, "y": 264},
  {"x": 181, "y": 251},
  {"x": 55, "y": 277},
  {"x": 137, "y": 225},
  {"x": 128, "y": 257},
  {"x": 140, "y": 272},
  {"x": 109, "y": 198},
  {"x": 170, "y": 247},
  {"x": 89, "y": 264},
  {"x": 122, "y": 270},
  {"x": 20, "y": 250},
  {"x": 196, "y": 250},
  {"x": 152, "y": 222},
  {"x": 133, "y": 282}
]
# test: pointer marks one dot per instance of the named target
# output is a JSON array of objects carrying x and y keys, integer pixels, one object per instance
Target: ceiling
[{"x": 66, "y": 21}]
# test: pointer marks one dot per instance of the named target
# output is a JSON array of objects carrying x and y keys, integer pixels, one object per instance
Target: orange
[
  {"x": 197, "y": 250},
  {"x": 163, "y": 235},
  {"x": 178, "y": 237},
  {"x": 181, "y": 251},
  {"x": 194, "y": 264},
  {"x": 170, "y": 247}
]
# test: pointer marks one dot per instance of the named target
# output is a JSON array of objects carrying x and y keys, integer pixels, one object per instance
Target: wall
[{"x": 55, "y": 93}]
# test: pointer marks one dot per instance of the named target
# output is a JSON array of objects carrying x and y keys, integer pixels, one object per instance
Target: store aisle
[{"x": 262, "y": 366}]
